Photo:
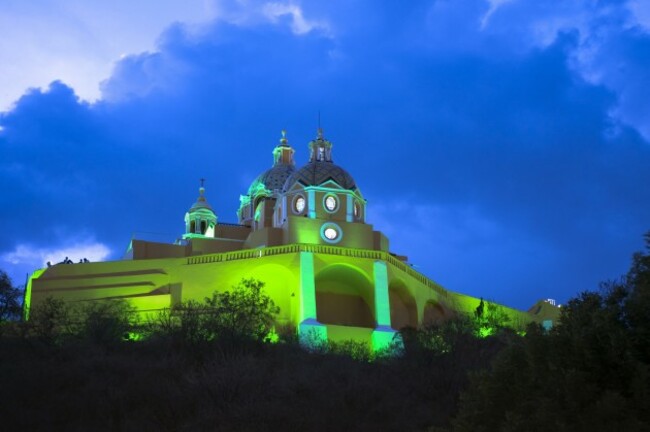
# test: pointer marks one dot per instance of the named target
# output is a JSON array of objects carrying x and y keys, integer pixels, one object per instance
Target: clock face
[
  {"x": 331, "y": 233},
  {"x": 330, "y": 203},
  {"x": 300, "y": 204}
]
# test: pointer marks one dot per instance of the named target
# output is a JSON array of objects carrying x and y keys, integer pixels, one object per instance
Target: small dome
[
  {"x": 201, "y": 202},
  {"x": 318, "y": 172},
  {"x": 272, "y": 179}
]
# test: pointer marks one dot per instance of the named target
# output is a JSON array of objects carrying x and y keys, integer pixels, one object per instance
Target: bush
[
  {"x": 244, "y": 314},
  {"x": 50, "y": 321},
  {"x": 590, "y": 372},
  {"x": 105, "y": 322}
]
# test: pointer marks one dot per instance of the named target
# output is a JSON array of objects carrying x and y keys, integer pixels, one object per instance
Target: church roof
[
  {"x": 272, "y": 179},
  {"x": 318, "y": 172},
  {"x": 201, "y": 202}
]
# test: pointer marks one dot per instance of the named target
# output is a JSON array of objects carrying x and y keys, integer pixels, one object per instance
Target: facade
[{"x": 303, "y": 232}]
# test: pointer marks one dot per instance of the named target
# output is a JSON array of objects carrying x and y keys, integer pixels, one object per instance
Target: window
[
  {"x": 330, "y": 203},
  {"x": 299, "y": 204},
  {"x": 331, "y": 233}
]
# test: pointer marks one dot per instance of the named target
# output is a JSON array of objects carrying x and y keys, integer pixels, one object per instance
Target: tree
[
  {"x": 246, "y": 312},
  {"x": 105, "y": 322},
  {"x": 9, "y": 299},
  {"x": 51, "y": 321},
  {"x": 590, "y": 372}
]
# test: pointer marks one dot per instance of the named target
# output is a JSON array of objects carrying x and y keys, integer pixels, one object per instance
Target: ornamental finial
[{"x": 201, "y": 190}]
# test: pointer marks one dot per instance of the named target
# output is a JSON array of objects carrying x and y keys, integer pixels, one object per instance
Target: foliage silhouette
[
  {"x": 9, "y": 299},
  {"x": 590, "y": 372}
]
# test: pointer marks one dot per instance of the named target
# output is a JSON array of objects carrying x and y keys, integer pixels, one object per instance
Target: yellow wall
[{"x": 156, "y": 283}]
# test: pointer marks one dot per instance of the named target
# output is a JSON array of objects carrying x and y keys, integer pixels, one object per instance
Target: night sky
[{"x": 503, "y": 145}]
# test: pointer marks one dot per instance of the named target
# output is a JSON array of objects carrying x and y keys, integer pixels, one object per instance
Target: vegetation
[
  {"x": 9, "y": 299},
  {"x": 208, "y": 365},
  {"x": 591, "y": 372}
]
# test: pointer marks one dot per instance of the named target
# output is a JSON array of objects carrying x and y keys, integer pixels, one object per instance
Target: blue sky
[{"x": 503, "y": 145}]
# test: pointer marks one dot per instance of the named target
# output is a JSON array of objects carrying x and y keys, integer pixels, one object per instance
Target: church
[{"x": 300, "y": 230}]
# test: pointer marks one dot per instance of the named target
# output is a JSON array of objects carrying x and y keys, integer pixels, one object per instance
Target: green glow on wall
[
  {"x": 308, "y": 235},
  {"x": 382, "y": 303},
  {"x": 312, "y": 333},
  {"x": 307, "y": 287},
  {"x": 28, "y": 293},
  {"x": 384, "y": 338}
]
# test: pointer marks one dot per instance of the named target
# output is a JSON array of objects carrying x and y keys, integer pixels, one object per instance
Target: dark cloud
[{"x": 491, "y": 155}]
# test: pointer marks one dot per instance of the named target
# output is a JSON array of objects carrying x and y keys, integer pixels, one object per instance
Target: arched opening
[
  {"x": 434, "y": 313},
  {"x": 192, "y": 226},
  {"x": 344, "y": 296},
  {"x": 204, "y": 227},
  {"x": 403, "y": 310}
]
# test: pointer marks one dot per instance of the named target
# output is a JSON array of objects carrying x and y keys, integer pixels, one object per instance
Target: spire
[
  {"x": 283, "y": 152},
  {"x": 201, "y": 191},
  {"x": 283, "y": 140},
  {"x": 320, "y": 149}
]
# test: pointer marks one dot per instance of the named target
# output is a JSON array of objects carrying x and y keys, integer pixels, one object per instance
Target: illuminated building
[{"x": 303, "y": 232}]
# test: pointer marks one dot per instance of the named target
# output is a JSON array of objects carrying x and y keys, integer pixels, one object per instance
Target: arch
[
  {"x": 403, "y": 309},
  {"x": 434, "y": 313},
  {"x": 344, "y": 296}
]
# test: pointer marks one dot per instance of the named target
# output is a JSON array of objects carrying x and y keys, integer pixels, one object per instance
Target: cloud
[
  {"x": 25, "y": 258},
  {"x": 513, "y": 152},
  {"x": 77, "y": 42},
  {"x": 39, "y": 257}
]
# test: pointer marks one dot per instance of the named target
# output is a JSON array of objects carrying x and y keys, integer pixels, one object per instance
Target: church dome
[
  {"x": 283, "y": 165},
  {"x": 318, "y": 172},
  {"x": 272, "y": 179}
]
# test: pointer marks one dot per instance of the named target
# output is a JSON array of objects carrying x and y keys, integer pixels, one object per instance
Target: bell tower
[{"x": 200, "y": 219}]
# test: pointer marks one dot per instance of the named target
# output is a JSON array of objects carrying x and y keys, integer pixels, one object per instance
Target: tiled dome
[
  {"x": 318, "y": 172},
  {"x": 272, "y": 179}
]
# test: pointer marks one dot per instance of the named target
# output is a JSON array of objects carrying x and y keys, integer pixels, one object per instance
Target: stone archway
[
  {"x": 403, "y": 309},
  {"x": 344, "y": 296},
  {"x": 434, "y": 313}
]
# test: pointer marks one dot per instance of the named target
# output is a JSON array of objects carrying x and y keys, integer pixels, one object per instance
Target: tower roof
[
  {"x": 320, "y": 167},
  {"x": 201, "y": 202}
]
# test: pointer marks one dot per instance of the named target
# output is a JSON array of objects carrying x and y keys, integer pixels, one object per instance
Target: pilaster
[{"x": 310, "y": 331}]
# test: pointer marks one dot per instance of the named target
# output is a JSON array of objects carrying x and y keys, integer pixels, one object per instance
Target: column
[
  {"x": 349, "y": 213},
  {"x": 383, "y": 335},
  {"x": 310, "y": 332},
  {"x": 311, "y": 203}
]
